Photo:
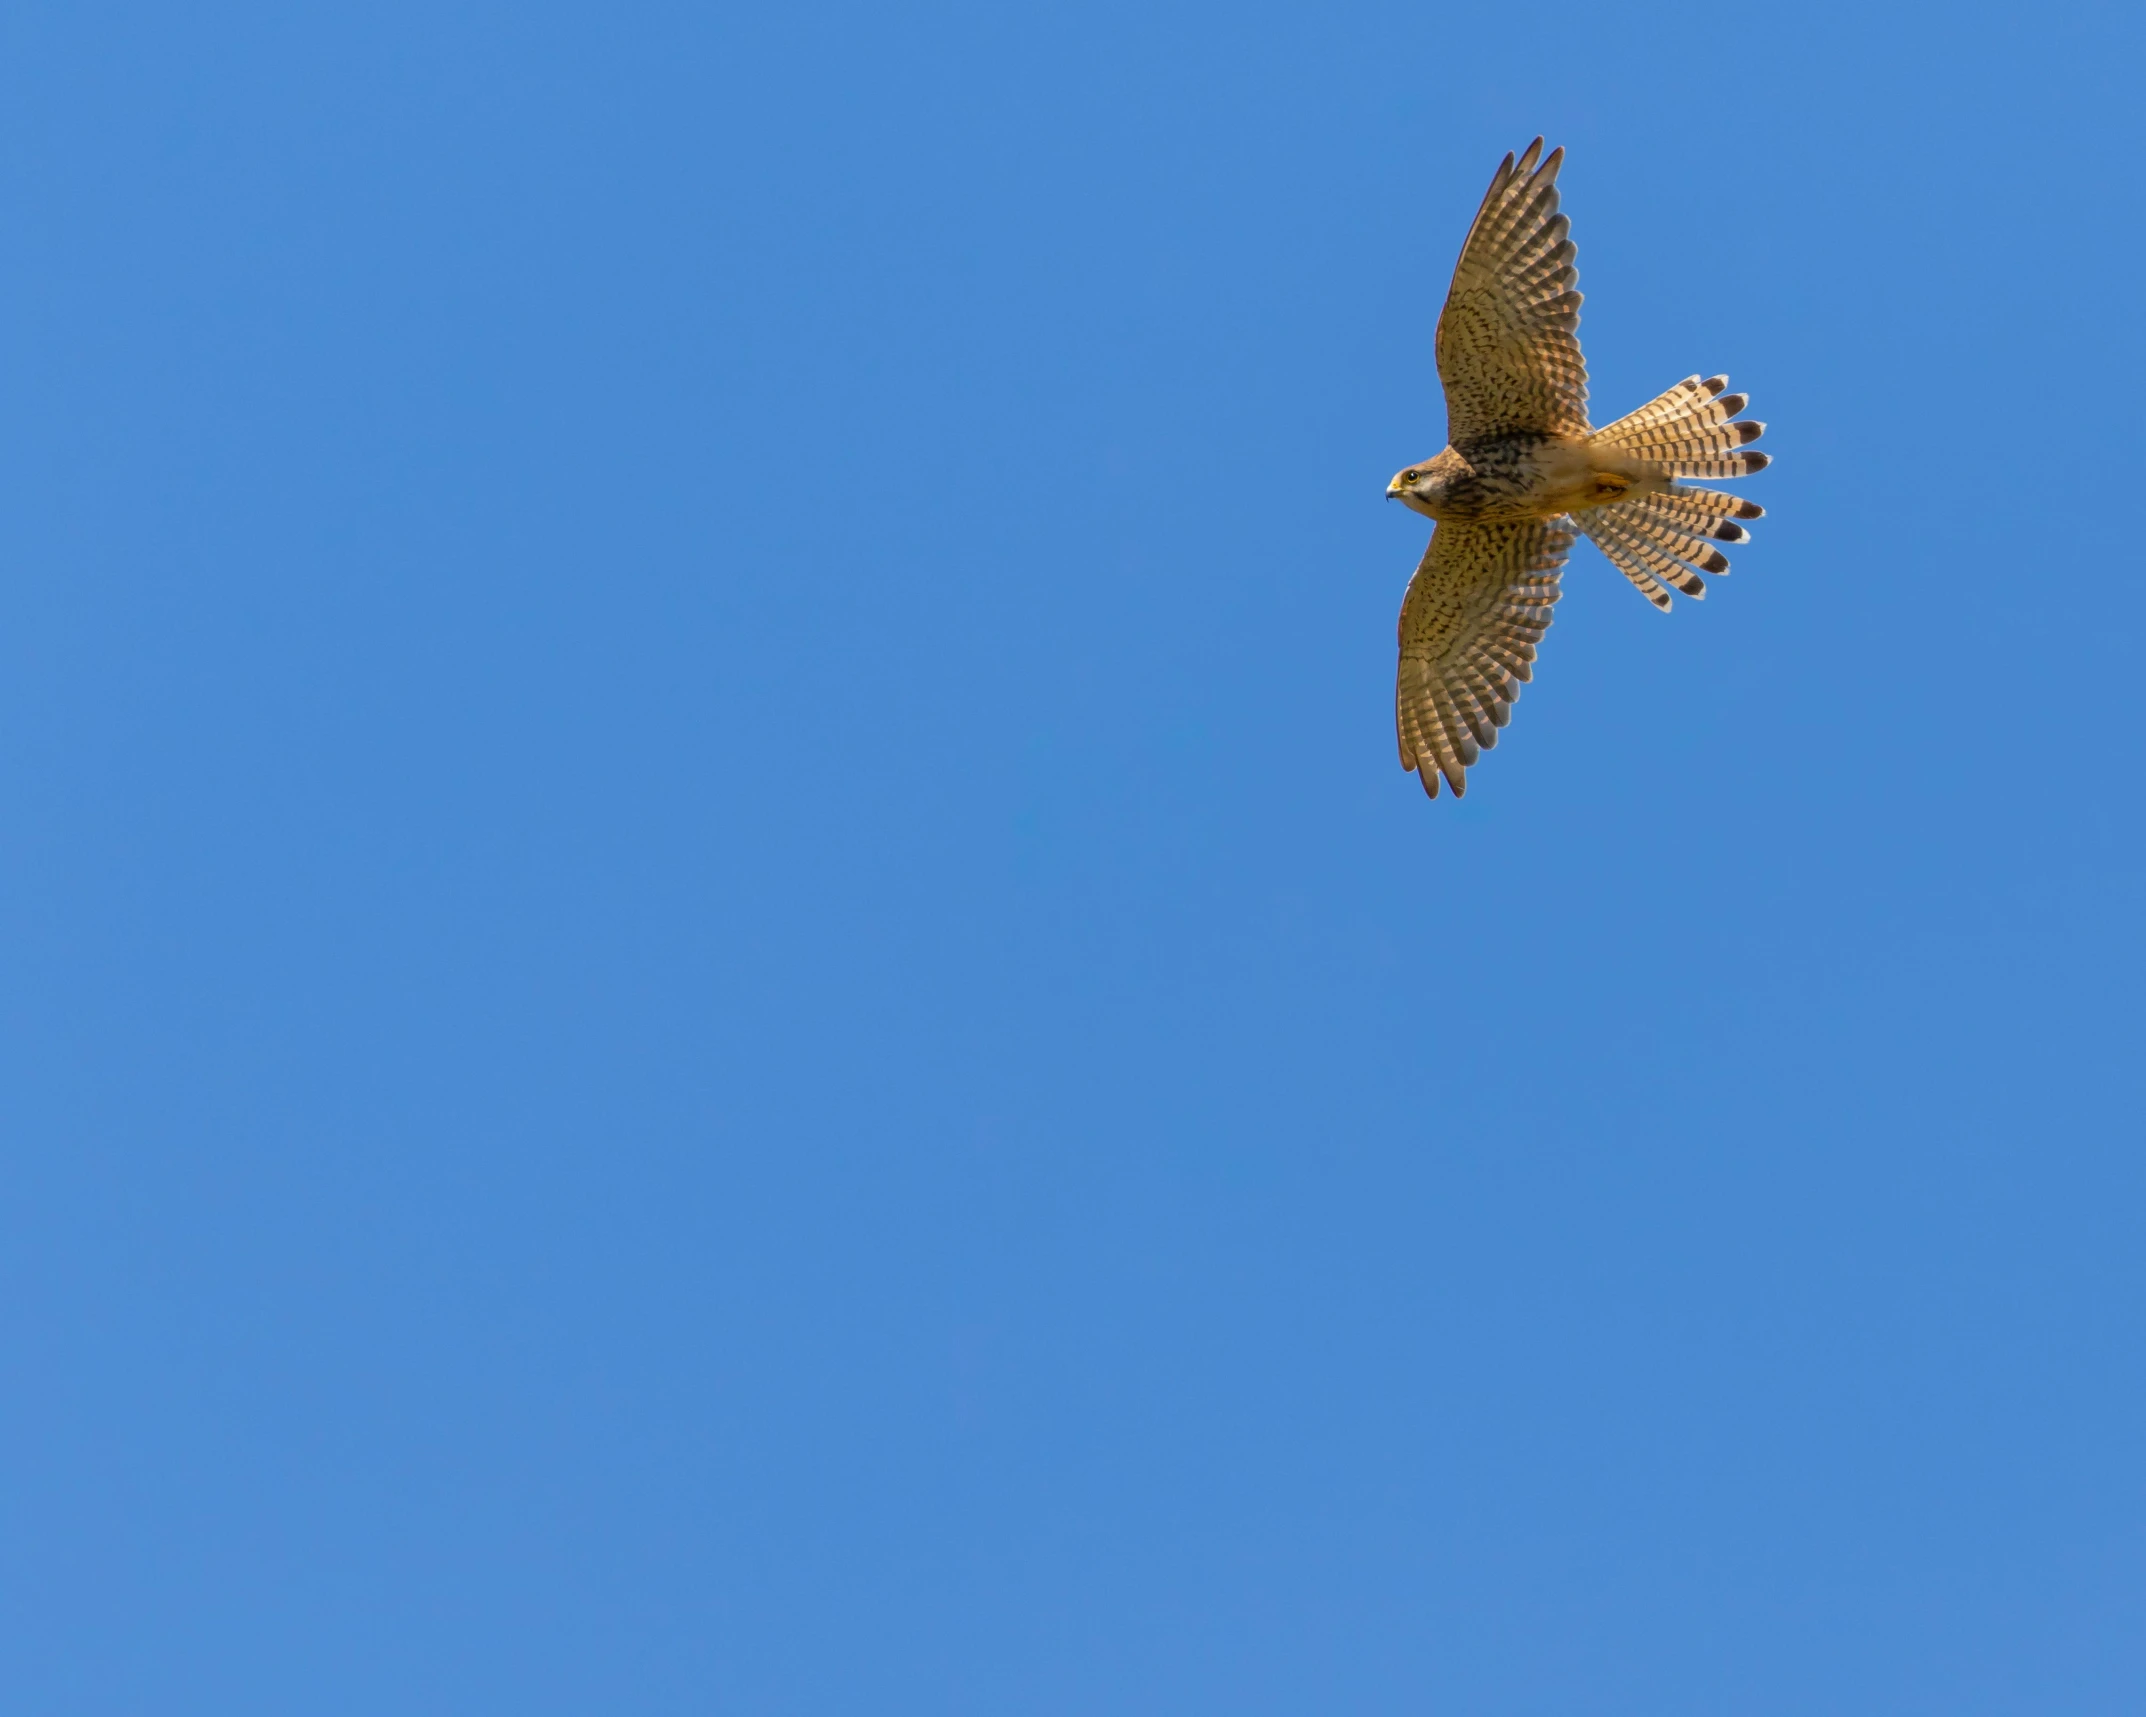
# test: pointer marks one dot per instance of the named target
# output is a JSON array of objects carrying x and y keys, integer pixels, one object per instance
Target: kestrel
[{"x": 1523, "y": 472}]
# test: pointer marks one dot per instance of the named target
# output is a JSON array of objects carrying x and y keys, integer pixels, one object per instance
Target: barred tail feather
[
  {"x": 1668, "y": 539},
  {"x": 1707, "y": 513},
  {"x": 1631, "y": 553},
  {"x": 1665, "y": 541},
  {"x": 1690, "y": 431}
]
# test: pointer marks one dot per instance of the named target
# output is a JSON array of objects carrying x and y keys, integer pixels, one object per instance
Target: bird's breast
[{"x": 1505, "y": 477}]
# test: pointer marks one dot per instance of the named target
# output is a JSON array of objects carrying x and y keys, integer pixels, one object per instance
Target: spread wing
[
  {"x": 1475, "y": 610},
  {"x": 1508, "y": 339}
]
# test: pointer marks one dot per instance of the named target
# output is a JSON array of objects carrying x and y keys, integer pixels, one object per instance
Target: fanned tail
[
  {"x": 1688, "y": 432},
  {"x": 1665, "y": 541},
  {"x": 1658, "y": 540}
]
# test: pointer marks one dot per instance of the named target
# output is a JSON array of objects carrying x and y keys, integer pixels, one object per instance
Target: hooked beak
[{"x": 1393, "y": 490}]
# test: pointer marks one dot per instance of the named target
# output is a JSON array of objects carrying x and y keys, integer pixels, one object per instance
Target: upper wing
[
  {"x": 1475, "y": 610},
  {"x": 1508, "y": 339}
]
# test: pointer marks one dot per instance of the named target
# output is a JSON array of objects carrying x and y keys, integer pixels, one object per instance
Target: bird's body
[
  {"x": 1525, "y": 476},
  {"x": 1523, "y": 472}
]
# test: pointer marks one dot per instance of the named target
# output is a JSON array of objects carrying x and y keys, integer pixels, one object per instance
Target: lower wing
[{"x": 1476, "y": 609}]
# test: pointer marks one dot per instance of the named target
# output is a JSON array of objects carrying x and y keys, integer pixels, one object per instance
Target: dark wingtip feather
[
  {"x": 1725, "y": 532},
  {"x": 1749, "y": 430},
  {"x": 1732, "y": 403},
  {"x": 1714, "y": 384},
  {"x": 1750, "y": 510},
  {"x": 1756, "y": 462}
]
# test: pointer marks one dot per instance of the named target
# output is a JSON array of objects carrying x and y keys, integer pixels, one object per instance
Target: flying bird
[{"x": 1523, "y": 473}]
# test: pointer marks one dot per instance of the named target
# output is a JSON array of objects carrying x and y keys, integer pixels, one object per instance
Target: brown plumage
[{"x": 1523, "y": 472}]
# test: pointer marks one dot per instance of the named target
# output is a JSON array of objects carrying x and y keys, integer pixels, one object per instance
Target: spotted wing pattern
[
  {"x": 1476, "y": 609},
  {"x": 1508, "y": 339}
]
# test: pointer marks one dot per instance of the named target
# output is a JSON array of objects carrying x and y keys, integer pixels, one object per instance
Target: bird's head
[{"x": 1420, "y": 487}]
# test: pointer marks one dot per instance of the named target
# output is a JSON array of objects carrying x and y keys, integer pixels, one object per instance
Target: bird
[{"x": 1523, "y": 475}]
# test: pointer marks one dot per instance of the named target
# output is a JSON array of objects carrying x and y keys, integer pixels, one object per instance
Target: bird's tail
[
  {"x": 1688, "y": 432},
  {"x": 1667, "y": 538}
]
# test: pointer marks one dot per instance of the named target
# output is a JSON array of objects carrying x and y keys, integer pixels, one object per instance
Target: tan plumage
[
  {"x": 1509, "y": 336},
  {"x": 1476, "y": 609},
  {"x": 1523, "y": 473}
]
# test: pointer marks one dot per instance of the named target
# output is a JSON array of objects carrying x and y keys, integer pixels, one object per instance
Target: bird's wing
[
  {"x": 1508, "y": 339},
  {"x": 1475, "y": 610}
]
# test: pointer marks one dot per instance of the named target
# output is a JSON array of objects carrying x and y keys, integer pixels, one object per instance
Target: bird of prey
[{"x": 1523, "y": 473}]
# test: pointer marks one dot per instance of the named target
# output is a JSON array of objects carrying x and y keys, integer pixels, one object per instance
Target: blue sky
[{"x": 719, "y": 993}]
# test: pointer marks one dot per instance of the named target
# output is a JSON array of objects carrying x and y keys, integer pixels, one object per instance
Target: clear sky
[{"x": 719, "y": 992}]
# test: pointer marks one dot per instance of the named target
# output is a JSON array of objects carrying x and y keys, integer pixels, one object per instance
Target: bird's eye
[{"x": 1410, "y": 476}]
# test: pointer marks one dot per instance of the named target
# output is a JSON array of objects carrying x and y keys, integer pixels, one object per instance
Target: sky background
[{"x": 716, "y": 990}]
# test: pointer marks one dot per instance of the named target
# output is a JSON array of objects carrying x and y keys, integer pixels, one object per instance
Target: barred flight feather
[
  {"x": 1508, "y": 347},
  {"x": 1476, "y": 609}
]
